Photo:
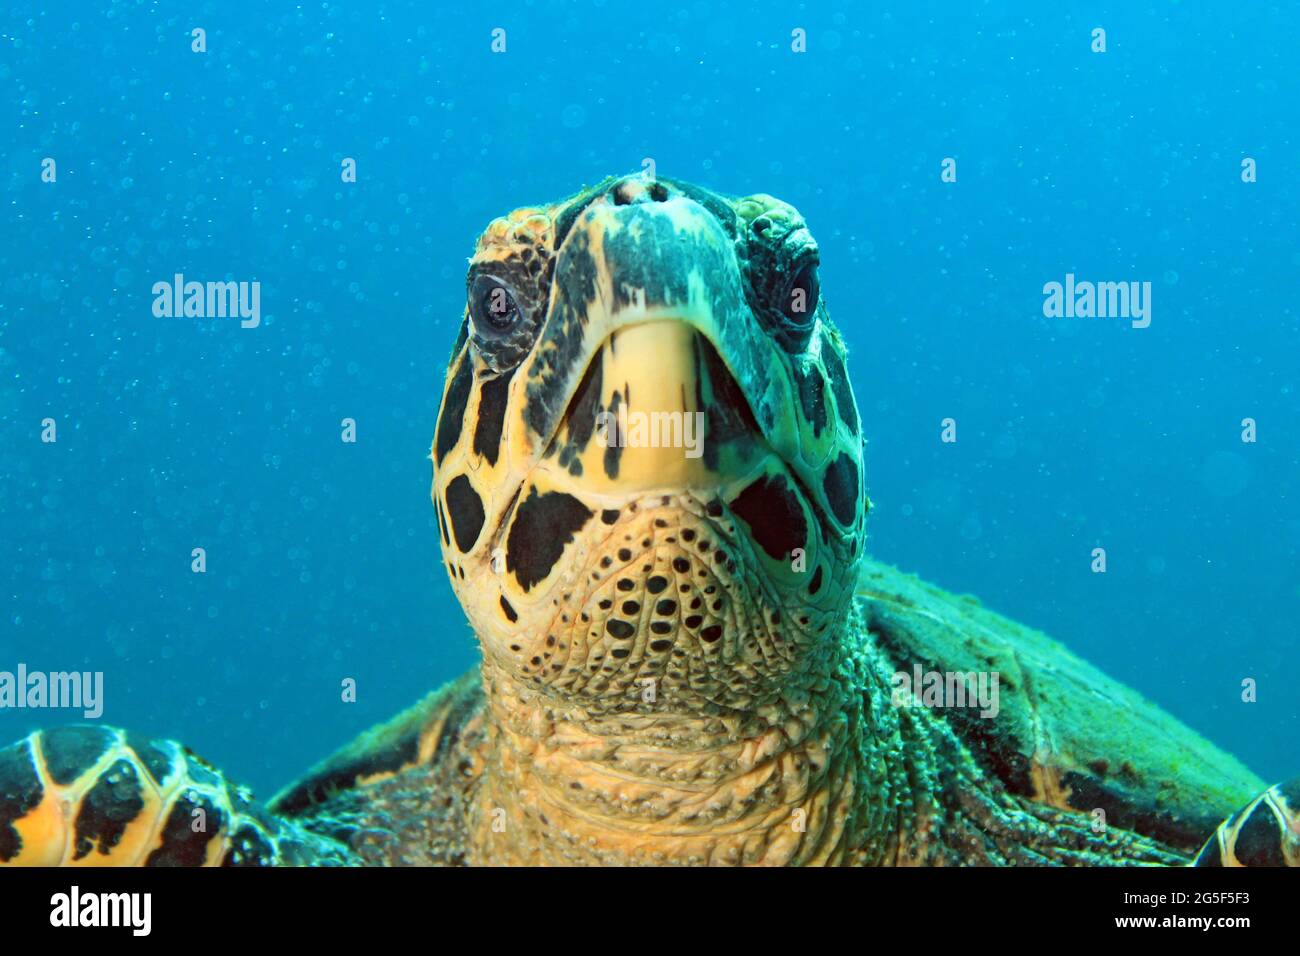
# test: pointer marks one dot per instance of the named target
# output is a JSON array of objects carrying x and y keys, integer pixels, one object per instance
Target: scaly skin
[
  {"x": 831, "y": 775},
  {"x": 818, "y": 782},
  {"x": 781, "y": 784},
  {"x": 878, "y": 785}
]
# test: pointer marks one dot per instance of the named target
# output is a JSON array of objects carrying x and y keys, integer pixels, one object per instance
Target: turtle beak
[
  {"x": 657, "y": 408},
  {"x": 637, "y": 383}
]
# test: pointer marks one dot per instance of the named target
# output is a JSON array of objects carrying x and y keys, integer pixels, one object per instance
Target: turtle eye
[
  {"x": 493, "y": 306},
  {"x": 799, "y": 302}
]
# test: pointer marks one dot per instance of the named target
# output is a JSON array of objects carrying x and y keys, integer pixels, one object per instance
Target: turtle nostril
[{"x": 637, "y": 190}]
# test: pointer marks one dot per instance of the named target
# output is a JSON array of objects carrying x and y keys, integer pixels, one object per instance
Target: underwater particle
[
  {"x": 1155, "y": 564},
  {"x": 1171, "y": 277},
  {"x": 573, "y": 116},
  {"x": 1225, "y": 474},
  {"x": 942, "y": 499},
  {"x": 971, "y": 529}
]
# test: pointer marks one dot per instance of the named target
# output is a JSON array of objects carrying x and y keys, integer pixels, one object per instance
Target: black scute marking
[
  {"x": 615, "y": 437},
  {"x": 461, "y": 337},
  {"x": 848, "y": 411},
  {"x": 452, "y": 416},
  {"x": 816, "y": 584},
  {"x": 442, "y": 523},
  {"x": 492, "y": 399},
  {"x": 508, "y": 610},
  {"x": 113, "y": 802},
  {"x": 157, "y": 761},
  {"x": 1211, "y": 854},
  {"x": 465, "y": 512},
  {"x": 249, "y": 847},
  {"x": 543, "y": 526},
  {"x": 812, "y": 394},
  {"x": 71, "y": 751},
  {"x": 181, "y": 845},
  {"x": 582, "y": 415},
  {"x": 772, "y": 511},
  {"x": 21, "y": 791},
  {"x": 841, "y": 486},
  {"x": 728, "y": 415},
  {"x": 619, "y": 629},
  {"x": 564, "y": 340},
  {"x": 1259, "y": 839},
  {"x": 652, "y": 259}
]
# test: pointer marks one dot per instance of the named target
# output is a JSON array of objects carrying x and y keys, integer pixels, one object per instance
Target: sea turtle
[{"x": 649, "y": 489}]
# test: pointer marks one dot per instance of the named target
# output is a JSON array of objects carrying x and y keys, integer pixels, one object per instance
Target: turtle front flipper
[
  {"x": 96, "y": 796},
  {"x": 1265, "y": 833}
]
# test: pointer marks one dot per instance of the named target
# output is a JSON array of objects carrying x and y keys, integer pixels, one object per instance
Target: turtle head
[{"x": 648, "y": 461}]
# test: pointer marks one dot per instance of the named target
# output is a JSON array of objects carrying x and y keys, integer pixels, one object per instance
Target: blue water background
[{"x": 323, "y": 556}]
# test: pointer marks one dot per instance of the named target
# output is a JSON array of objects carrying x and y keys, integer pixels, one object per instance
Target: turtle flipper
[
  {"x": 96, "y": 796},
  {"x": 1266, "y": 832}
]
